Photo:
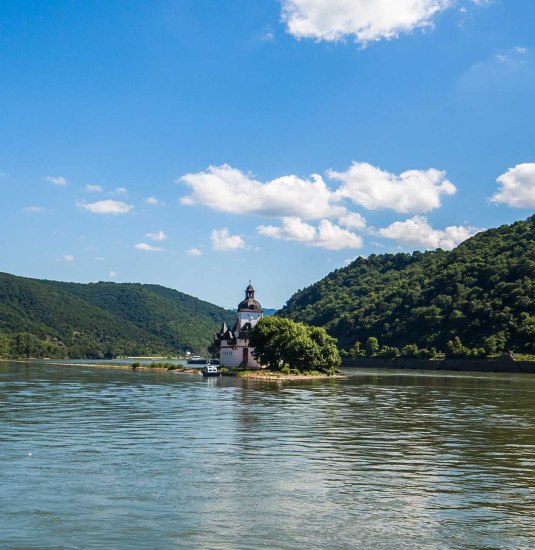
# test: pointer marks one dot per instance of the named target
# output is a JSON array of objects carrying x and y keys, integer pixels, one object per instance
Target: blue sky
[{"x": 200, "y": 143}]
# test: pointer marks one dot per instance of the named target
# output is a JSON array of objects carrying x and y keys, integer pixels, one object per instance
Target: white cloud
[
  {"x": 56, "y": 180},
  {"x": 293, "y": 229},
  {"x": 112, "y": 274},
  {"x": 352, "y": 220},
  {"x": 326, "y": 235},
  {"x": 517, "y": 186},
  {"x": 68, "y": 257},
  {"x": 34, "y": 209},
  {"x": 227, "y": 189},
  {"x": 417, "y": 231},
  {"x": 194, "y": 252},
  {"x": 94, "y": 188},
  {"x": 98, "y": 259},
  {"x": 120, "y": 191},
  {"x": 107, "y": 207},
  {"x": 223, "y": 241},
  {"x": 410, "y": 192},
  {"x": 156, "y": 236},
  {"x": 153, "y": 201},
  {"x": 147, "y": 247},
  {"x": 364, "y": 20}
]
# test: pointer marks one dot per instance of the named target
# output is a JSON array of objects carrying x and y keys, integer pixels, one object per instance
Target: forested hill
[
  {"x": 483, "y": 288},
  {"x": 54, "y": 319}
]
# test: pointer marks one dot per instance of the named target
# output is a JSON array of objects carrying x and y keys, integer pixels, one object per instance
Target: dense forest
[
  {"x": 480, "y": 294},
  {"x": 101, "y": 320}
]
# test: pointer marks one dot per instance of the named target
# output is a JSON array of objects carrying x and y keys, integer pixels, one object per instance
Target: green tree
[
  {"x": 4, "y": 345},
  {"x": 356, "y": 350},
  {"x": 372, "y": 346},
  {"x": 489, "y": 345},
  {"x": 281, "y": 343}
]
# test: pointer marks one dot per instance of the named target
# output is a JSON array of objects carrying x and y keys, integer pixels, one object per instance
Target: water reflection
[{"x": 382, "y": 459}]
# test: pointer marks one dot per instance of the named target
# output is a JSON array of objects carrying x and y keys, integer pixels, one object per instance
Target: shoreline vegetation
[{"x": 160, "y": 367}]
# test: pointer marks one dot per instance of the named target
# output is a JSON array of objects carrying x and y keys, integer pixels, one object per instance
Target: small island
[{"x": 274, "y": 347}]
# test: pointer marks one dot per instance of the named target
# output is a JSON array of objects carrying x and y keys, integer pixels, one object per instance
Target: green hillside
[
  {"x": 483, "y": 288},
  {"x": 54, "y": 319}
]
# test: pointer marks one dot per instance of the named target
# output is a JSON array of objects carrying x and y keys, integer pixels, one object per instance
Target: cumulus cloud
[
  {"x": 326, "y": 235},
  {"x": 34, "y": 209},
  {"x": 120, "y": 191},
  {"x": 352, "y": 220},
  {"x": 410, "y": 192},
  {"x": 112, "y": 274},
  {"x": 417, "y": 231},
  {"x": 68, "y": 257},
  {"x": 364, "y": 20},
  {"x": 147, "y": 247},
  {"x": 94, "y": 188},
  {"x": 223, "y": 241},
  {"x": 107, "y": 207},
  {"x": 517, "y": 186},
  {"x": 156, "y": 236},
  {"x": 56, "y": 180},
  {"x": 194, "y": 252},
  {"x": 227, "y": 189}
]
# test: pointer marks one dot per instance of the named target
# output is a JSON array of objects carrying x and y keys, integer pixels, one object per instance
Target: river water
[{"x": 94, "y": 458}]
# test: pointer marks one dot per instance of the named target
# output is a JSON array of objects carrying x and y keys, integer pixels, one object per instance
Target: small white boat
[{"x": 210, "y": 370}]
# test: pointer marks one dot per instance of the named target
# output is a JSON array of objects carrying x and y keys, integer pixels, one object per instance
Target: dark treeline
[
  {"x": 101, "y": 320},
  {"x": 479, "y": 296}
]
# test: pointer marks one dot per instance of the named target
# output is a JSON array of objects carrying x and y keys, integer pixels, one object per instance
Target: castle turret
[{"x": 234, "y": 344}]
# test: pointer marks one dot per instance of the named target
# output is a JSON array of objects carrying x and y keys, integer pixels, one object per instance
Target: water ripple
[{"x": 118, "y": 459}]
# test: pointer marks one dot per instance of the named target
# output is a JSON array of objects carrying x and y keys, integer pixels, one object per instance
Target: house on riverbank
[{"x": 233, "y": 344}]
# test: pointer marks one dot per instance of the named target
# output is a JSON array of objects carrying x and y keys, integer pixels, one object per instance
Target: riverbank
[
  {"x": 270, "y": 375},
  {"x": 145, "y": 368},
  {"x": 506, "y": 363}
]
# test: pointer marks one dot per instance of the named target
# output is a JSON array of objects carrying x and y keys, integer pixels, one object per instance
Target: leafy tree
[
  {"x": 281, "y": 343},
  {"x": 388, "y": 352},
  {"x": 4, "y": 346},
  {"x": 489, "y": 345},
  {"x": 372, "y": 346},
  {"x": 356, "y": 350}
]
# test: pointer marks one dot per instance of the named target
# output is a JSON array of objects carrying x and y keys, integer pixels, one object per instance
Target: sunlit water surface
[{"x": 94, "y": 458}]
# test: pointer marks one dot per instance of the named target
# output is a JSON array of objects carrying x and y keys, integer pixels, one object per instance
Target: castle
[{"x": 234, "y": 349}]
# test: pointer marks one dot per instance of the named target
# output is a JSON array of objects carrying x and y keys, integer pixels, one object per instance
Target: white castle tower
[{"x": 234, "y": 349}]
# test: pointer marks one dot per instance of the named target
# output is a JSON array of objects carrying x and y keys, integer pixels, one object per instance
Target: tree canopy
[
  {"x": 483, "y": 289},
  {"x": 281, "y": 343},
  {"x": 101, "y": 320}
]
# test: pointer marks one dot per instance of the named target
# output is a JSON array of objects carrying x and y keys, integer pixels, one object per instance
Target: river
[{"x": 95, "y": 458}]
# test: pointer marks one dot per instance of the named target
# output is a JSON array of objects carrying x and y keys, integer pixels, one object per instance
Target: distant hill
[
  {"x": 485, "y": 287},
  {"x": 56, "y": 319},
  {"x": 268, "y": 311}
]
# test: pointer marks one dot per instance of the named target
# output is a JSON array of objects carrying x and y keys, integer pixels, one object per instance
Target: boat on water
[
  {"x": 210, "y": 370},
  {"x": 196, "y": 360}
]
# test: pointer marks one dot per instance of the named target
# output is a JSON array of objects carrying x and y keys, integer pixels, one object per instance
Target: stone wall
[{"x": 505, "y": 363}]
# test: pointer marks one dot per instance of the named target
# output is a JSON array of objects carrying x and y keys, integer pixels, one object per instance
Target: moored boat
[
  {"x": 196, "y": 360},
  {"x": 210, "y": 370}
]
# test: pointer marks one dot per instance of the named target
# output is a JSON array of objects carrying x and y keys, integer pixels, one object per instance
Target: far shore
[
  {"x": 258, "y": 375},
  {"x": 270, "y": 375}
]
